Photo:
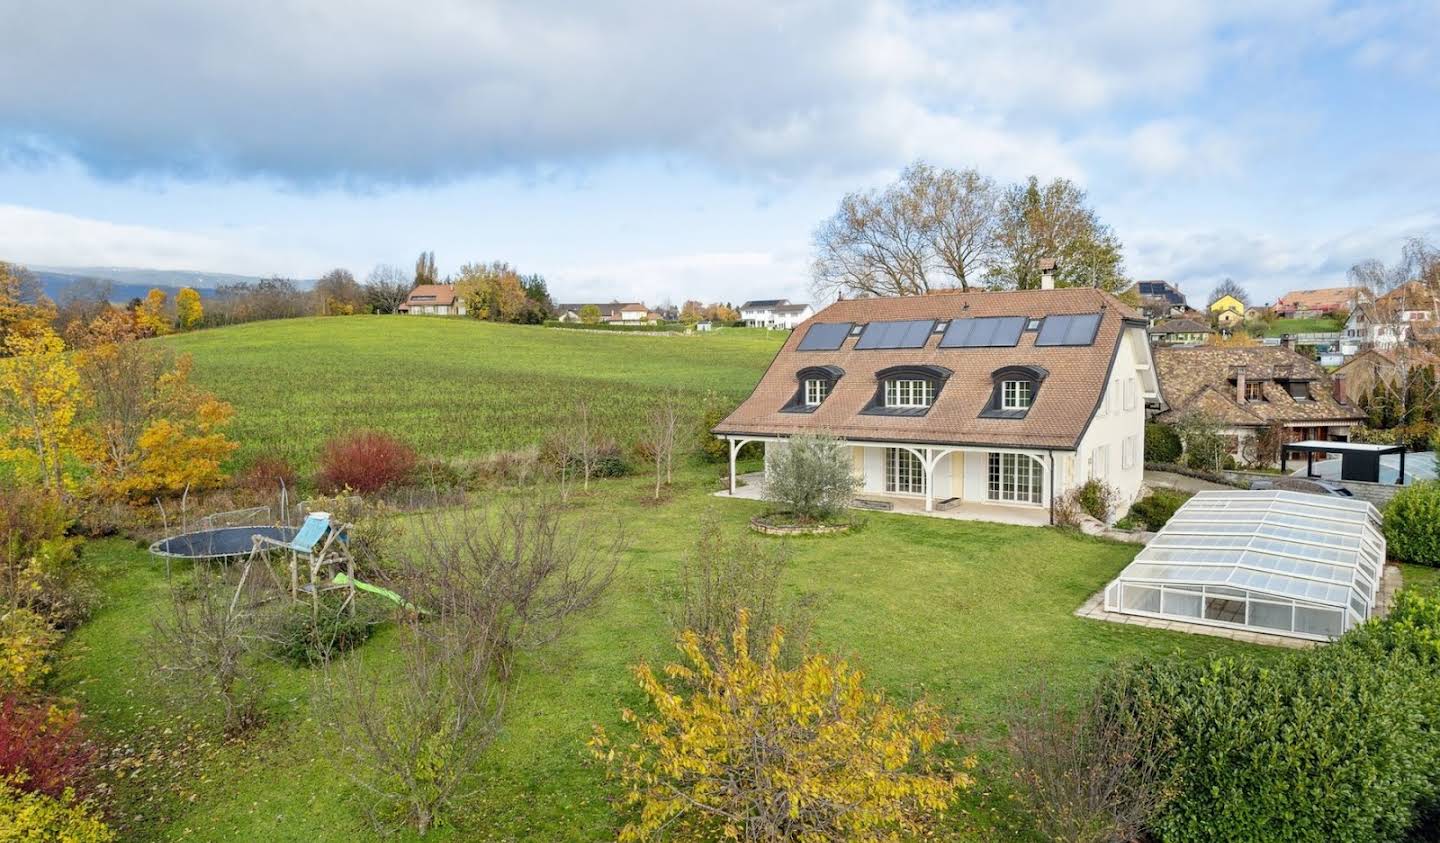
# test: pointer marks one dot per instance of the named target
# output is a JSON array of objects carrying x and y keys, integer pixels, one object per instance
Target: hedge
[
  {"x": 1412, "y": 524},
  {"x": 1340, "y": 743},
  {"x": 663, "y": 327},
  {"x": 1162, "y": 443}
]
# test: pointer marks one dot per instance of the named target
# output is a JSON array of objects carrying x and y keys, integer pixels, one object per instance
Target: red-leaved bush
[
  {"x": 364, "y": 462},
  {"x": 42, "y": 748}
]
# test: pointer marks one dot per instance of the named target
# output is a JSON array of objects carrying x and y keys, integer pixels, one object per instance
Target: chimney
[
  {"x": 1337, "y": 387},
  {"x": 1239, "y": 384},
  {"x": 1047, "y": 273},
  {"x": 1285, "y": 341}
]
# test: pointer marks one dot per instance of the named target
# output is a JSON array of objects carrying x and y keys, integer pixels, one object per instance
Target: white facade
[
  {"x": 790, "y": 317},
  {"x": 758, "y": 317}
]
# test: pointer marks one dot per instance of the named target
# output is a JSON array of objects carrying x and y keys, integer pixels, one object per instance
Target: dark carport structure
[{"x": 1359, "y": 461}]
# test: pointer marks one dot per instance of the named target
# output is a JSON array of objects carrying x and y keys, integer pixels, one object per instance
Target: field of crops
[{"x": 449, "y": 386}]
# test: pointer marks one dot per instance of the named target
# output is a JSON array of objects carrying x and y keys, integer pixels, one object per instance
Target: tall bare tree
[
  {"x": 386, "y": 288},
  {"x": 1394, "y": 307},
  {"x": 1229, "y": 287},
  {"x": 425, "y": 272},
  {"x": 338, "y": 293},
  {"x": 940, "y": 228}
]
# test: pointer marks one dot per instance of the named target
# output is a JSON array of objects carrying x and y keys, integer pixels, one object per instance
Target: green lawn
[
  {"x": 1320, "y": 325},
  {"x": 453, "y": 387},
  {"x": 968, "y": 614}
]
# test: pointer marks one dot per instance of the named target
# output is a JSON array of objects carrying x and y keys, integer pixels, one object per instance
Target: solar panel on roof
[
  {"x": 1069, "y": 329},
  {"x": 825, "y": 336},
  {"x": 984, "y": 332},
  {"x": 910, "y": 333}
]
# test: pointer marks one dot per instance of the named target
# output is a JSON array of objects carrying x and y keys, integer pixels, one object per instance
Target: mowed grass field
[
  {"x": 968, "y": 615},
  {"x": 454, "y": 387}
]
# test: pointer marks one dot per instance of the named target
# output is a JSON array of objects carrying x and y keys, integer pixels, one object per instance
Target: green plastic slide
[{"x": 342, "y": 579}]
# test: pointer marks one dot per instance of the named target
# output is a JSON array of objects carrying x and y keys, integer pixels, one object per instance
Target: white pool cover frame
[{"x": 1278, "y": 562}]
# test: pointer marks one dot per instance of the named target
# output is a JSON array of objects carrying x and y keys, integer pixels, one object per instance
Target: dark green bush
[
  {"x": 1096, "y": 499},
  {"x": 304, "y": 640},
  {"x": 1154, "y": 510},
  {"x": 610, "y": 461},
  {"x": 1412, "y": 524},
  {"x": 1340, "y": 743},
  {"x": 1162, "y": 443}
]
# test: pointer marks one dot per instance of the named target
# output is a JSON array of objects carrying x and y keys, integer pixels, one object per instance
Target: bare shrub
[
  {"x": 1088, "y": 773},
  {"x": 657, "y": 443},
  {"x": 482, "y": 586},
  {"x": 366, "y": 461},
  {"x": 726, "y": 572},
  {"x": 207, "y": 646}
]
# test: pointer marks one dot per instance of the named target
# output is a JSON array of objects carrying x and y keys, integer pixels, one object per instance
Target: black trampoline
[{"x": 220, "y": 543}]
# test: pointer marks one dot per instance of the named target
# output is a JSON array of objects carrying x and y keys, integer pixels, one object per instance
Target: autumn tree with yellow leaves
[
  {"x": 745, "y": 749},
  {"x": 188, "y": 309},
  {"x": 150, "y": 431},
  {"x": 151, "y": 316},
  {"x": 40, "y": 395}
]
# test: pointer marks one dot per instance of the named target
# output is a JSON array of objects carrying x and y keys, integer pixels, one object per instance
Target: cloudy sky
[{"x": 661, "y": 150}]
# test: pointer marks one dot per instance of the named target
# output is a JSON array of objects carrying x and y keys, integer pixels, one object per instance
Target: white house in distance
[
  {"x": 990, "y": 404},
  {"x": 433, "y": 300},
  {"x": 775, "y": 313}
]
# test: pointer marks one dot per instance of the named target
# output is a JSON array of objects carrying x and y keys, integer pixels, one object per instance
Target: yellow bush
[
  {"x": 39, "y": 818},
  {"x": 26, "y": 644},
  {"x": 758, "y": 752}
]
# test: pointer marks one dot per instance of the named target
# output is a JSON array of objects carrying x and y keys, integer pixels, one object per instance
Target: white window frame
[
  {"x": 909, "y": 393},
  {"x": 904, "y": 472},
  {"x": 1014, "y": 478},
  {"x": 1127, "y": 452},
  {"x": 1129, "y": 393},
  {"x": 816, "y": 391},
  {"x": 1100, "y": 462},
  {"x": 1016, "y": 395}
]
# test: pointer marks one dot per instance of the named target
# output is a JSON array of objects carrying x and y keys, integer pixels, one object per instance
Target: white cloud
[
  {"x": 33, "y": 236},
  {"x": 376, "y": 92}
]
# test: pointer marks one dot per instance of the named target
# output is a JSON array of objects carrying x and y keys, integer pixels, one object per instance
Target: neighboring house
[
  {"x": 1245, "y": 390},
  {"x": 433, "y": 300},
  {"x": 1256, "y": 314},
  {"x": 1001, "y": 402},
  {"x": 1180, "y": 332},
  {"x": 1405, "y": 313},
  {"x": 1227, "y": 311},
  {"x": 615, "y": 311},
  {"x": 1357, "y": 377},
  {"x": 790, "y": 316},
  {"x": 1160, "y": 299},
  {"x": 761, "y": 314},
  {"x": 1309, "y": 304}
]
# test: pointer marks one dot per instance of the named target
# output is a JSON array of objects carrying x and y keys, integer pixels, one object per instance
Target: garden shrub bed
[{"x": 784, "y": 524}]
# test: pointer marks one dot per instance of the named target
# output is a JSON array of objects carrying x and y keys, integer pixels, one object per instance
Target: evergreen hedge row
[{"x": 1338, "y": 744}]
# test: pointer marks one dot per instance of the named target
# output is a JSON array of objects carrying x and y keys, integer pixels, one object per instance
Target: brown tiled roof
[
  {"x": 443, "y": 293},
  {"x": 1062, "y": 409},
  {"x": 1325, "y": 297},
  {"x": 1202, "y": 379},
  {"x": 1180, "y": 326}
]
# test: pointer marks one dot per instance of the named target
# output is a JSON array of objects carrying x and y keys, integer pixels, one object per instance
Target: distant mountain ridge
[{"x": 128, "y": 283}]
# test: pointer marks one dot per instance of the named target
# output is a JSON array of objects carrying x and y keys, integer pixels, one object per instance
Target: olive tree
[{"x": 810, "y": 477}]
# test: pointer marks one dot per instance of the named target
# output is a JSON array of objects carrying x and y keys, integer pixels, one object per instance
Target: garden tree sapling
[
  {"x": 658, "y": 438},
  {"x": 726, "y": 572},
  {"x": 207, "y": 644},
  {"x": 810, "y": 476},
  {"x": 748, "y": 749},
  {"x": 486, "y": 585}
]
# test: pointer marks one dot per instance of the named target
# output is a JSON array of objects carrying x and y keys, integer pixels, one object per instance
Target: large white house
[
  {"x": 997, "y": 402},
  {"x": 774, "y": 313}
]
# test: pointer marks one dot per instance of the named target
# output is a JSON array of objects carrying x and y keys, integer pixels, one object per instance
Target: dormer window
[
  {"x": 1016, "y": 395},
  {"x": 1254, "y": 390},
  {"x": 1014, "y": 391},
  {"x": 906, "y": 390},
  {"x": 1299, "y": 390},
  {"x": 909, "y": 393},
  {"x": 815, "y": 385}
]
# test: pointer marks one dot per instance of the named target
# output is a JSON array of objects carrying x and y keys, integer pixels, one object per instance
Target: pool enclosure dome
[{"x": 1272, "y": 561}]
